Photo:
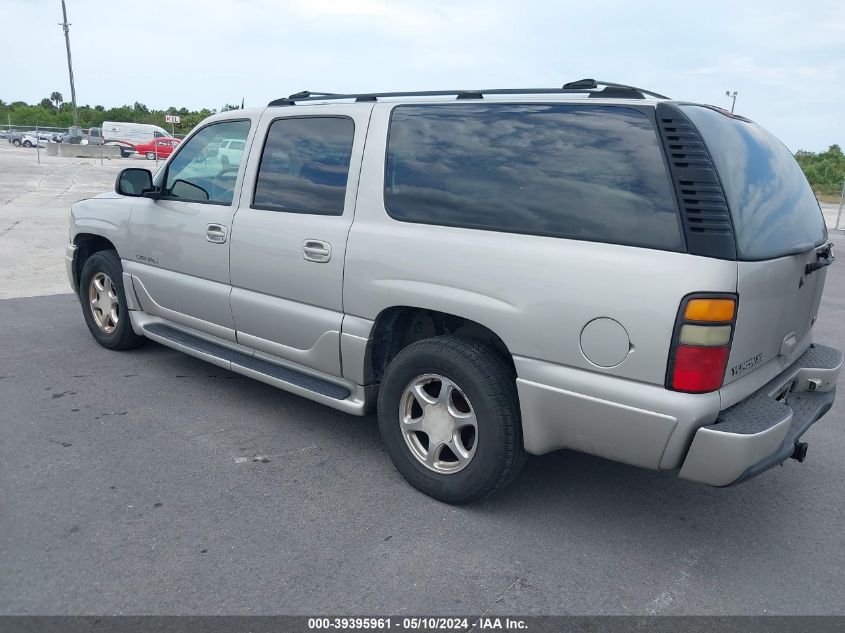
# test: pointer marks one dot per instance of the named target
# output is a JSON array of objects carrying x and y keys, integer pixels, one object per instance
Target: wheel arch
[
  {"x": 397, "y": 327},
  {"x": 87, "y": 244}
]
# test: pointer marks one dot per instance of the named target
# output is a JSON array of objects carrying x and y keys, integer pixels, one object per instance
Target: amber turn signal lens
[{"x": 715, "y": 310}]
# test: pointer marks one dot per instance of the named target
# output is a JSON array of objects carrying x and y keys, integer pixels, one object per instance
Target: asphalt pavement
[{"x": 149, "y": 482}]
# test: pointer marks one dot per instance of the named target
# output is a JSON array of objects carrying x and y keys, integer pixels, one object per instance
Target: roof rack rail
[{"x": 588, "y": 86}]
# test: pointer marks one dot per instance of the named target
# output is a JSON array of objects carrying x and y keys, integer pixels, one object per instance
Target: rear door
[
  {"x": 290, "y": 232},
  {"x": 779, "y": 231}
]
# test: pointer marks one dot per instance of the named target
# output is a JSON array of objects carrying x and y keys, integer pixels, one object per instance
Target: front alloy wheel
[
  {"x": 105, "y": 308},
  {"x": 103, "y": 300}
]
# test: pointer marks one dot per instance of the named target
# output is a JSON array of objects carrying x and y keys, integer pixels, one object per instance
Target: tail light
[{"x": 701, "y": 343}]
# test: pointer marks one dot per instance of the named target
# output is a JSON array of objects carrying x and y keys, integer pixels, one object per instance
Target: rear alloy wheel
[
  {"x": 27, "y": 144},
  {"x": 438, "y": 423},
  {"x": 449, "y": 416}
]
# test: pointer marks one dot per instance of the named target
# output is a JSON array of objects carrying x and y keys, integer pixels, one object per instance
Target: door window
[
  {"x": 304, "y": 165},
  {"x": 197, "y": 174}
]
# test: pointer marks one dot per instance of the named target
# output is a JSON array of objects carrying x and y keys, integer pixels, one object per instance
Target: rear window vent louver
[{"x": 704, "y": 210}]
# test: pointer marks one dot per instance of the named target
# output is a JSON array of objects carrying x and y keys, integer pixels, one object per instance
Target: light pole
[
  {"x": 728, "y": 93},
  {"x": 64, "y": 24}
]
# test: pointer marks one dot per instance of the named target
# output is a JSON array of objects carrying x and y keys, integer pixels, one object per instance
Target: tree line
[
  {"x": 824, "y": 170},
  {"x": 53, "y": 111}
]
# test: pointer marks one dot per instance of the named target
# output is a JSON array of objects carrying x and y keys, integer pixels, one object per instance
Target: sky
[{"x": 786, "y": 60}]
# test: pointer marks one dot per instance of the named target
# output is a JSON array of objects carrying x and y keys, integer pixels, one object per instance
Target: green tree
[
  {"x": 825, "y": 171},
  {"x": 46, "y": 103},
  {"x": 57, "y": 98}
]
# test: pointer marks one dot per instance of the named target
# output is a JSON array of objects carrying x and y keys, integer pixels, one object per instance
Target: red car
[{"x": 163, "y": 147}]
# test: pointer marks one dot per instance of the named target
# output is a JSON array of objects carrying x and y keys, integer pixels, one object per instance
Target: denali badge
[
  {"x": 744, "y": 366},
  {"x": 148, "y": 260}
]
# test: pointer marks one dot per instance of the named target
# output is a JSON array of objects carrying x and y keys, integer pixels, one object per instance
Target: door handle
[
  {"x": 316, "y": 251},
  {"x": 215, "y": 233}
]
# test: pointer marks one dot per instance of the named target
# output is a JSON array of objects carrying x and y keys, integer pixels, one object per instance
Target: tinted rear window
[
  {"x": 578, "y": 171},
  {"x": 774, "y": 210}
]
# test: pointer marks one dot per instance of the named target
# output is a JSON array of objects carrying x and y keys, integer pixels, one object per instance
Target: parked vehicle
[
  {"x": 230, "y": 152},
  {"x": 133, "y": 133},
  {"x": 92, "y": 136},
  {"x": 26, "y": 139},
  {"x": 157, "y": 148},
  {"x": 126, "y": 149},
  {"x": 623, "y": 275}
]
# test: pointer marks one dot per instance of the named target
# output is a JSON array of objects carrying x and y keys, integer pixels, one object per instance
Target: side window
[
  {"x": 197, "y": 173},
  {"x": 583, "y": 172},
  {"x": 237, "y": 145},
  {"x": 304, "y": 165}
]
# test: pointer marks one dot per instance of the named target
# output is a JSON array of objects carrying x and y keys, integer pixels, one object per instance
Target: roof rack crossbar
[{"x": 588, "y": 86}]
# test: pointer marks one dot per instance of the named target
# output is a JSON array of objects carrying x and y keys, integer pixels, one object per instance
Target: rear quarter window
[
  {"x": 576, "y": 171},
  {"x": 773, "y": 208}
]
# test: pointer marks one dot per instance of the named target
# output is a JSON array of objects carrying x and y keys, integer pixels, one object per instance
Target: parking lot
[{"x": 151, "y": 482}]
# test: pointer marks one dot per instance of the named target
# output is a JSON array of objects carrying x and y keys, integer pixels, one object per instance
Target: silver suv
[{"x": 499, "y": 272}]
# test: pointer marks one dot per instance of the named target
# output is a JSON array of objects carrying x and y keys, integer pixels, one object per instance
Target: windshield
[{"x": 774, "y": 210}]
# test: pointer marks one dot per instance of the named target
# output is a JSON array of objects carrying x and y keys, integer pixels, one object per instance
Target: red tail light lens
[
  {"x": 699, "y": 369},
  {"x": 701, "y": 342}
]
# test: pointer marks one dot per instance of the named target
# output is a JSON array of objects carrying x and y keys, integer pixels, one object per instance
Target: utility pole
[
  {"x": 65, "y": 26},
  {"x": 728, "y": 93}
]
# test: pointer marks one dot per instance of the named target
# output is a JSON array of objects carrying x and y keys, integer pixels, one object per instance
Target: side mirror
[{"x": 134, "y": 182}]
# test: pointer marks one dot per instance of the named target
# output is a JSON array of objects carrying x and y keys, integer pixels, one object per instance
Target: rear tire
[
  {"x": 482, "y": 388},
  {"x": 224, "y": 161},
  {"x": 103, "y": 300},
  {"x": 16, "y": 142},
  {"x": 27, "y": 144}
]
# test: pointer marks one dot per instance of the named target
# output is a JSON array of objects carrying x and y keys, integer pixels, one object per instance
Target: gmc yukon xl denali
[{"x": 500, "y": 272}]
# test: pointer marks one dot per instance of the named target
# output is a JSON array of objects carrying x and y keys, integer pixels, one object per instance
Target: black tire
[
  {"x": 123, "y": 336},
  {"x": 27, "y": 144},
  {"x": 16, "y": 142},
  {"x": 490, "y": 385},
  {"x": 224, "y": 161}
]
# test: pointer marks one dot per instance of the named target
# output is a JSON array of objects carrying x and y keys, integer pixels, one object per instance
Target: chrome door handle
[
  {"x": 316, "y": 251},
  {"x": 215, "y": 233}
]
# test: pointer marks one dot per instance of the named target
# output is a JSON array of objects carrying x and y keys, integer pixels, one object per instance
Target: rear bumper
[{"x": 763, "y": 430}]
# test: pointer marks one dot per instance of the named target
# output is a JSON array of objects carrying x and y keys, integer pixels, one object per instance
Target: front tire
[
  {"x": 104, "y": 302},
  {"x": 27, "y": 144},
  {"x": 150, "y": 155},
  {"x": 16, "y": 142},
  {"x": 449, "y": 417}
]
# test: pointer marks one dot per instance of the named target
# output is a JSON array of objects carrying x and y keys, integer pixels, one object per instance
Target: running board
[{"x": 312, "y": 387}]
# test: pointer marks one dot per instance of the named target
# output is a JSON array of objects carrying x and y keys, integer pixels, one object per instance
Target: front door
[
  {"x": 180, "y": 257},
  {"x": 289, "y": 234}
]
